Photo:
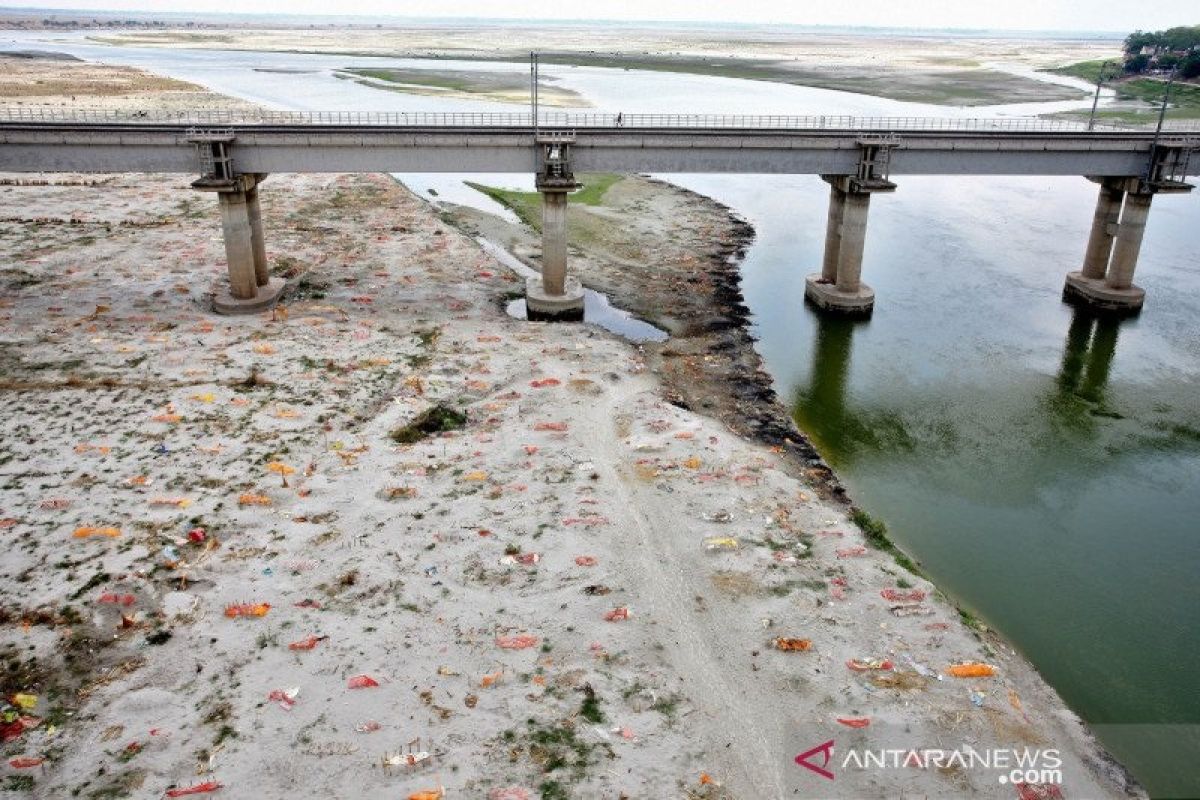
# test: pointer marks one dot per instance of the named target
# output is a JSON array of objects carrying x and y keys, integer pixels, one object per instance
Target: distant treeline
[
  {"x": 1164, "y": 51},
  {"x": 26, "y": 22}
]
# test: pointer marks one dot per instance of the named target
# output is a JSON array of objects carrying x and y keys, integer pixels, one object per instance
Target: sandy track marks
[{"x": 665, "y": 577}]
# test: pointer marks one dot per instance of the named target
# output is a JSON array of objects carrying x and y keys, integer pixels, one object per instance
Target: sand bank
[{"x": 966, "y": 71}]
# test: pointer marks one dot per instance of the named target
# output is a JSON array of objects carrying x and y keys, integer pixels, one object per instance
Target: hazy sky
[{"x": 1090, "y": 15}]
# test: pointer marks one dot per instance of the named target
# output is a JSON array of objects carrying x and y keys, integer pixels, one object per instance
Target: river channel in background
[{"x": 1042, "y": 464}]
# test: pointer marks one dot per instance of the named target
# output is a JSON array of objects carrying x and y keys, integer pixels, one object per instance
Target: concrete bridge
[{"x": 233, "y": 152}]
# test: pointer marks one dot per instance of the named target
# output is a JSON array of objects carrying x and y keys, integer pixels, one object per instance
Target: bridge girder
[{"x": 133, "y": 148}]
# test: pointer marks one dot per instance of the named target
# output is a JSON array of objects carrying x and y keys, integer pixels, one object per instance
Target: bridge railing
[{"x": 557, "y": 120}]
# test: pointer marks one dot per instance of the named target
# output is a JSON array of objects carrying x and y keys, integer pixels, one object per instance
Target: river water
[{"x": 1043, "y": 465}]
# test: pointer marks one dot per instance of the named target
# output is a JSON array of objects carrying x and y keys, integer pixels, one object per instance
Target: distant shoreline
[
  {"x": 949, "y": 72},
  {"x": 221, "y": 19}
]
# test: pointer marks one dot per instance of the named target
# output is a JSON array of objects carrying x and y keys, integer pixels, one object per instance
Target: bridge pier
[
  {"x": 1106, "y": 280},
  {"x": 251, "y": 287},
  {"x": 838, "y": 288},
  {"x": 555, "y": 296},
  {"x": 1104, "y": 228},
  {"x": 258, "y": 243}
]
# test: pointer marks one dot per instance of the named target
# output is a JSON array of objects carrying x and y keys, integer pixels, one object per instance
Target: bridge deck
[{"x": 48, "y": 140}]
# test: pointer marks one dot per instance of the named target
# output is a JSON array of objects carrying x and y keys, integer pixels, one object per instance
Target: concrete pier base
[
  {"x": 267, "y": 296},
  {"x": 555, "y": 296},
  {"x": 838, "y": 287},
  {"x": 1106, "y": 281},
  {"x": 826, "y": 296},
  {"x": 541, "y": 306},
  {"x": 1097, "y": 294},
  {"x": 251, "y": 287}
]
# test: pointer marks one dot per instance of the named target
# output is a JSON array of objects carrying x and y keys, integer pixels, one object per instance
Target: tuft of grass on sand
[
  {"x": 875, "y": 532},
  {"x": 590, "y": 708},
  {"x": 431, "y": 421}
]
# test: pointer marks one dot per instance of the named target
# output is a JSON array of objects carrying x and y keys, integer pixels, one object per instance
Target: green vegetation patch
[
  {"x": 590, "y": 708},
  {"x": 561, "y": 753},
  {"x": 100, "y": 578},
  {"x": 595, "y": 185},
  {"x": 485, "y": 85},
  {"x": 875, "y": 532},
  {"x": 553, "y": 790},
  {"x": 1183, "y": 95},
  {"x": 429, "y": 422},
  {"x": 528, "y": 205},
  {"x": 1086, "y": 70},
  {"x": 455, "y": 81},
  {"x": 1184, "y": 102},
  {"x": 18, "y": 783},
  {"x": 1147, "y": 117},
  {"x": 971, "y": 621}
]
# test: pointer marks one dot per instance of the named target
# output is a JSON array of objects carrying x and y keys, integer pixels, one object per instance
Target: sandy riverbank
[
  {"x": 963, "y": 71},
  {"x": 46, "y": 82},
  {"x": 499, "y": 87},
  {"x": 575, "y": 593}
]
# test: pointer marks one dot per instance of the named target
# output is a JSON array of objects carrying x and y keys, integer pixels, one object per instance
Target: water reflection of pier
[
  {"x": 1088, "y": 355},
  {"x": 821, "y": 408},
  {"x": 1079, "y": 396}
]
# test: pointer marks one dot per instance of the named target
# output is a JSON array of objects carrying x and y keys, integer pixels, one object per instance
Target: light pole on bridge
[
  {"x": 1162, "y": 115},
  {"x": 1162, "y": 112},
  {"x": 1096, "y": 98},
  {"x": 535, "y": 57},
  {"x": 533, "y": 90}
]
